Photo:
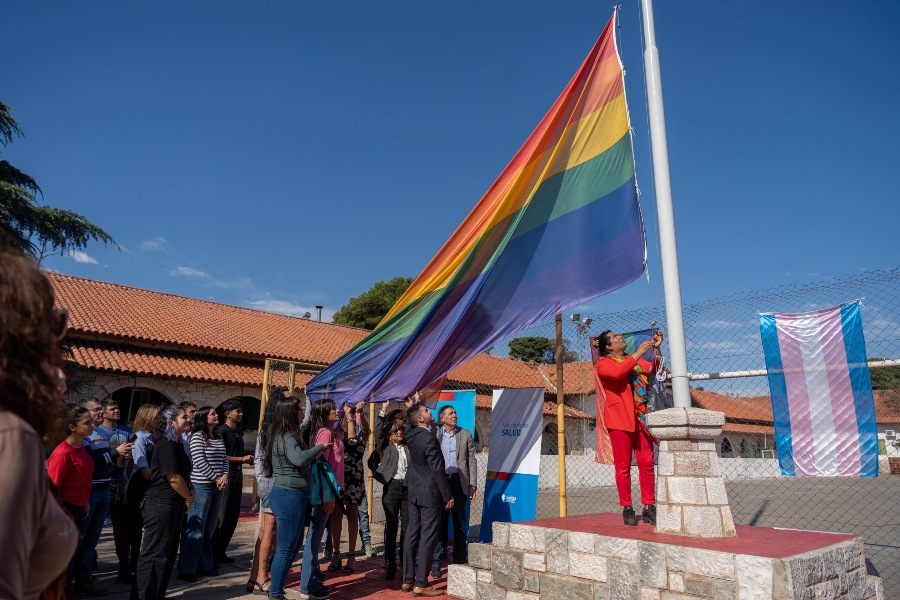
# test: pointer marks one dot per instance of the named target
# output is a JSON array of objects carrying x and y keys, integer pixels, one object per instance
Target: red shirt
[
  {"x": 71, "y": 470},
  {"x": 618, "y": 413}
]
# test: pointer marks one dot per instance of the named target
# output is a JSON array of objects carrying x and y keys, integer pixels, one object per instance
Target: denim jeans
[
  {"x": 289, "y": 508},
  {"x": 363, "y": 510},
  {"x": 91, "y": 529},
  {"x": 196, "y": 541},
  {"x": 310, "y": 577}
]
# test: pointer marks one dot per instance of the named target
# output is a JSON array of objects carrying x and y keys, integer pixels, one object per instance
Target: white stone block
[
  {"x": 703, "y": 521},
  {"x": 715, "y": 467},
  {"x": 581, "y": 542},
  {"x": 670, "y": 433},
  {"x": 707, "y": 563},
  {"x": 649, "y": 594},
  {"x": 661, "y": 493},
  {"x": 483, "y": 576},
  {"x": 702, "y": 432},
  {"x": 510, "y": 595},
  {"x": 588, "y": 566},
  {"x": 754, "y": 577},
  {"x": 692, "y": 464},
  {"x": 686, "y": 490},
  {"x": 501, "y": 535},
  {"x": 727, "y": 521},
  {"x": 535, "y": 562},
  {"x": 461, "y": 582},
  {"x": 676, "y": 582},
  {"x": 527, "y": 537},
  {"x": 667, "y": 417},
  {"x": 668, "y": 518},
  {"x": 715, "y": 491},
  {"x": 666, "y": 463},
  {"x": 706, "y": 446},
  {"x": 617, "y": 547}
]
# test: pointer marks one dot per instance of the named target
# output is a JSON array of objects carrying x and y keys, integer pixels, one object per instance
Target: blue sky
[{"x": 284, "y": 154}]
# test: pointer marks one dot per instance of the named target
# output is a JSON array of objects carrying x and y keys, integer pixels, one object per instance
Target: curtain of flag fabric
[
  {"x": 560, "y": 226},
  {"x": 821, "y": 392}
]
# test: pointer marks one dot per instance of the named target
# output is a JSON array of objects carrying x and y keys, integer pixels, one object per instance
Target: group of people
[{"x": 171, "y": 485}]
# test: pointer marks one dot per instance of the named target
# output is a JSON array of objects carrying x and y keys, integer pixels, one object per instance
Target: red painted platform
[
  {"x": 755, "y": 541},
  {"x": 366, "y": 582}
]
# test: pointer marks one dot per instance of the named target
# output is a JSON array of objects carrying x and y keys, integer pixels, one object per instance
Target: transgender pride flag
[{"x": 821, "y": 392}]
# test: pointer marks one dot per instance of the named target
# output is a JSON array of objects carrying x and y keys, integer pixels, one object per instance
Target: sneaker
[
  {"x": 89, "y": 589},
  {"x": 628, "y": 516},
  {"x": 649, "y": 514},
  {"x": 370, "y": 550},
  {"x": 435, "y": 572},
  {"x": 189, "y": 577},
  {"x": 314, "y": 595}
]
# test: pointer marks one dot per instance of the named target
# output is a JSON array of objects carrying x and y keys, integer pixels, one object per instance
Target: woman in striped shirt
[{"x": 209, "y": 476}]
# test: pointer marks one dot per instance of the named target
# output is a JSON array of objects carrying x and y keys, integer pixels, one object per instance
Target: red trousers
[{"x": 623, "y": 443}]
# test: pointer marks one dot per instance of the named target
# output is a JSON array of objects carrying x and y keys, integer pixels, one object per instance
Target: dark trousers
[
  {"x": 396, "y": 512},
  {"x": 118, "y": 514},
  {"x": 229, "y": 513},
  {"x": 460, "y": 523},
  {"x": 162, "y": 531},
  {"x": 424, "y": 522},
  {"x": 77, "y": 513}
]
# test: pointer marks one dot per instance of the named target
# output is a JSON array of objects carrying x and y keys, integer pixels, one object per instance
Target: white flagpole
[{"x": 665, "y": 214}]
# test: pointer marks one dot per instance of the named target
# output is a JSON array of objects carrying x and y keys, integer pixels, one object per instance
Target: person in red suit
[{"x": 625, "y": 380}]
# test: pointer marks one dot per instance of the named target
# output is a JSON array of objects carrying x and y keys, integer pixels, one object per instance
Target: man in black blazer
[{"x": 428, "y": 495}]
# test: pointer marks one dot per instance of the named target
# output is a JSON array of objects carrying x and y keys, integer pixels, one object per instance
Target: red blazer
[{"x": 618, "y": 413}]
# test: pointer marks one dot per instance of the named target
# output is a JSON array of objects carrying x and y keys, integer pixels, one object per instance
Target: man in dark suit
[{"x": 428, "y": 495}]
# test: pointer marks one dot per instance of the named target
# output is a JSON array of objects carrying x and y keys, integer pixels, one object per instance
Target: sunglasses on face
[{"x": 60, "y": 322}]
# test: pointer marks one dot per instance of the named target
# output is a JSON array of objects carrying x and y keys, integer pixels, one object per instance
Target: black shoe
[
  {"x": 125, "y": 575},
  {"x": 208, "y": 573},
  {"x": 628, "y": 516},
  {"x": 225, "y": 560},
  {"x": 322, "y": 590},
  {"x": 189, "y": 577},
  {"x": 649, "y": 514},
  {"x": 391, "y": 572},
  {"x": 435, "y": 572}
]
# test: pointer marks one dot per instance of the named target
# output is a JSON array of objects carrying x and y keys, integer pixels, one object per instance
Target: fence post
[
  {"x": 370, "y": 492},
  {"x": 265, "y": 395},
  {"x": 560, "y": 417}
]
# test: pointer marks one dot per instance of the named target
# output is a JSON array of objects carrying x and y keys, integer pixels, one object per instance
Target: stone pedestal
[
  {"x": 690, "y": 492},
  {"x": 596, "y": 557}
]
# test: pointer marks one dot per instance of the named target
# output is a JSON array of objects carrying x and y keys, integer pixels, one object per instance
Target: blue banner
[
  {"x": 463, "y": 401},
  {"x": 514, "y": 460}
]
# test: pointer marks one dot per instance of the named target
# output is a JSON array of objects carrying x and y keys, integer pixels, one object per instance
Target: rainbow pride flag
[{"x": 560, "y": 226}]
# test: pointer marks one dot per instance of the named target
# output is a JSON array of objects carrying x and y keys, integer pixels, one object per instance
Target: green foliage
[
  {"x": 885, "y": 379},
  {"x": 539, "y": 349},
  {"x": 369, "y": 308},
  {"x": 29, "y": 226}
]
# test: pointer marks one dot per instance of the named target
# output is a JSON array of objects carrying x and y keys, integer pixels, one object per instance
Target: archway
[
  {"x": 727, "y": 450},
  {"x": 132, "y": 398},
  {"x": 251, "y": 412},
  {"x": 550, "y": 440}
]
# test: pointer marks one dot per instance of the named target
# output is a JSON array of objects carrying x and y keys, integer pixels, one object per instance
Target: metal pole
[
  {"x": 674, "y": 318},
  {"x": 370, "y": 484},
  {"x": 560, "y": 417}
]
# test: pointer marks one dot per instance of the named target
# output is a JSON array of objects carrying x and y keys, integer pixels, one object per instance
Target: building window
[{"x": 727, "y": 451}]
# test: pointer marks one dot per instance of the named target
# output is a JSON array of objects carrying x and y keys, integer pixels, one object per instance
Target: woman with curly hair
[
  {"x": 38, "y": 535},
  {"x": 168, "y": 497}
]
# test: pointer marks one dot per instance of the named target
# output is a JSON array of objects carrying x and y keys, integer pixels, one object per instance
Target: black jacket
[{"x": 425, "y": 476}]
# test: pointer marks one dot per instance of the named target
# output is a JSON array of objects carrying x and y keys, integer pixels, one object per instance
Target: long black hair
[
  {"x": 164, "y": 428},
  {"x": 285, "y": 421},
  {"x": 201, "y": 426},
  {"x": 276, "y": 394},
  {"x": 319, "y": 418}
]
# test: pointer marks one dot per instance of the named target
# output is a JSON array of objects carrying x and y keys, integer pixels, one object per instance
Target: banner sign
[
  {"x": 514, "y": 460},
  {"x": 821, "y": 393}
]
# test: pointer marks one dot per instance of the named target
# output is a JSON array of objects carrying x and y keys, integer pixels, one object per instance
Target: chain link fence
[{"x": 723, "y": 338}]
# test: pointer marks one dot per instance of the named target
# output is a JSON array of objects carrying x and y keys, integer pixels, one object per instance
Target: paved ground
[{"x": 867, "y": 507}]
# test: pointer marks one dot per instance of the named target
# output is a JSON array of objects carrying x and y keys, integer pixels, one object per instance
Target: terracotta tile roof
[
  {"x": 483, "y": 402},
  {"x": 119, "y": 358},
  {"x": 756, "y": 408},
  {"x": 578, "y": 377},
  {"x": 498, "y": 372},
  {"x": 742, "y": 428},
  {"x": 128, "y": 313}
]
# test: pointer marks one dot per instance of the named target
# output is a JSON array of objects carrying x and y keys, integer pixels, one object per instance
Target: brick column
[{"x": 690, "y": 491}]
